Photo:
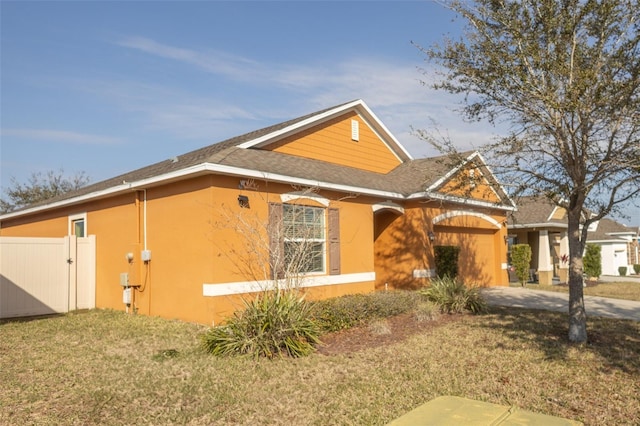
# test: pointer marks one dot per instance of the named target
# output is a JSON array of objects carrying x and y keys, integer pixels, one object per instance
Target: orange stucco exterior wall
[
  {"x": 193, "y": 233},
  {"x": 402, "y": 245},
  {"x": 331, "y": 142}
]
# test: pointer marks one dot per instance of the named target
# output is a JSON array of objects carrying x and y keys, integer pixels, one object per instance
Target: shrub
[
  {"x": 446, "y": 260},
  {"x": 348, "y": 311},
  {"x": 636, "y": 268},
  {"x": 622, "y": 270},
  {"x": 452, "y": 296},
  {"x": 379, "y": 327},
  {"x": 592, "y": 261},
  {"x": 426, "y": 311},
  {"x": 521, "y": 261},
  {"x": 273, "y": 324}
]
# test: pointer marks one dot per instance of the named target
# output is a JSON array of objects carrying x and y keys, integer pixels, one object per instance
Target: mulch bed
[{"x": 362, "y": 337}]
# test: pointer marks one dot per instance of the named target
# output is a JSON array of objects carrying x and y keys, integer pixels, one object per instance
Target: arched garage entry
[
  {"x": 481, "y": 244},
  {"x": 401, "y": 247}
]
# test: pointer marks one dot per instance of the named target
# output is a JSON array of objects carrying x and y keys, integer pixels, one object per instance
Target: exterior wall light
[{"x": 431, "y": 236}]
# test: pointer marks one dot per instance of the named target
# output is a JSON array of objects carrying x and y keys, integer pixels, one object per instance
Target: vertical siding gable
[
  {"x": 470, "y": 183},
  {"x": 559, "y": 213},
  {"x": 332, "y": 142}
]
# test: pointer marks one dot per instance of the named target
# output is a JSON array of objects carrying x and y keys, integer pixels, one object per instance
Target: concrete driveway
[{"x": 551, "y": 301}]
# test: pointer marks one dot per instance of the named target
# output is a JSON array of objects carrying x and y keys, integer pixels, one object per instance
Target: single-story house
[
  {"x": 543, "y": 225},
  {"x": 189, "y": 236}
]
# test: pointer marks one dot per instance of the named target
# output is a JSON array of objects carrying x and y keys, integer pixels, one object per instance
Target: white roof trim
[
  {"x": 538, "y": 225},
  {"x": 387, "y": 205},
  {"x": 373, "y": 122},
  {"x": 205, "y": 168},
  {"x": 451, "y": 172},
  {"x": 616, "y": 241},
  {"x": 456, "y": 169},
  {"x": 459, "y": 200},
  {"x": 455, "y": 213},
  {"x": 553, "y": 211},
  {"x": 292, "y": 196}
]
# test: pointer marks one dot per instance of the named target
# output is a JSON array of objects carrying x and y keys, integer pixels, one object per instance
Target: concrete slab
[
  {"x": 455, "y": 411},
  {"x": 553, "y": 301}
]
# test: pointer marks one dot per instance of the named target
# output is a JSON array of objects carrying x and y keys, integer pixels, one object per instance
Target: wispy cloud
[
  {"x": 217, "y": 62},
  {"x": 59, "y": 136},
  {"x": 176, "y": 111},
  {"x": 286, "y": 90}
]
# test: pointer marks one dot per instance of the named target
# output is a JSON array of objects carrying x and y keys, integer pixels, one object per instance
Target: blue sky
[{"x": 107, "y": 87}]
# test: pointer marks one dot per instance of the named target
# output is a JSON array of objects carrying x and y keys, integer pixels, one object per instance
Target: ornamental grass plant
[
  {"x": 453, "y": 296},
  {"x": 275, "y": 323}
]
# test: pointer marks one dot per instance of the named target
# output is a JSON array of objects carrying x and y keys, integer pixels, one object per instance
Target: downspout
[
  {"x": 144, "y": 218},
  {"x": 146, "y": 264}
]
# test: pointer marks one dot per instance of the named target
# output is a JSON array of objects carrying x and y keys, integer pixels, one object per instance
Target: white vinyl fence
[{"x": 40, "y": 276}]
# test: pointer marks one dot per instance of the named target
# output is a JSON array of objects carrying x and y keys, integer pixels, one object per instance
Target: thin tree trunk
[{"x": 577, "y": 312}]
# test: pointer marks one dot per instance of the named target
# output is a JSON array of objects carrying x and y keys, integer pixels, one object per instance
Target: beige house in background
[{"x": 543, "y": 226}]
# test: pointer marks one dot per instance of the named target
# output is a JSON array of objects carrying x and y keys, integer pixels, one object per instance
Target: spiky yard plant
[
  {"x": 453, "y": 296},
  {"x": 274, "y": 323}
]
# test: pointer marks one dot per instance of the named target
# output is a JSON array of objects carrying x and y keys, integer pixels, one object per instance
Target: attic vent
[{"x": 355, "y": 130}]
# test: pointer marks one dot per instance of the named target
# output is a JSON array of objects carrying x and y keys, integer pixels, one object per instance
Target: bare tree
[
  {"x": 565, "y": 76},
  {"x": 40, "y": 187},
  {"x": 275, "y": 251}
]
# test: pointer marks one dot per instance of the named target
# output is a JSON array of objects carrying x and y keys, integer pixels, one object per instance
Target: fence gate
[{"x": 40, "y": 276}]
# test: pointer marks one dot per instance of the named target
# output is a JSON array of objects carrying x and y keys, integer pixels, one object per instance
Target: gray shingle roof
[
  {"x": 536, "y": 210},
  {"x": 410, "y": 177},
  {"x": 533, "y": 210},
  {"x": 606, "y": 227}
]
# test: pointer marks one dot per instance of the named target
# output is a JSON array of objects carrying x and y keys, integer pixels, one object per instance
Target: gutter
[
  {"x": 207, "y": 168},
  {"x": 539, "y": 225}
]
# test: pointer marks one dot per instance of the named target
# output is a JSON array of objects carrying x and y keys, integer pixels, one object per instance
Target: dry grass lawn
[{"x": 106, "y": 367}]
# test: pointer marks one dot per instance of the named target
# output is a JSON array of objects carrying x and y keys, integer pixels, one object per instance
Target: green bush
[
  {"x": 592, "y": 261},
  {"x": 348, "y": 311},
  {"x": 452, "y": 296},
  {"x": 636, "y": 268},
  {"x": 273, "y": 324},
  {"x": 521, "y": 261},
  {"x": 446, "y": 260},
  {"x": 622, "y": 270}
]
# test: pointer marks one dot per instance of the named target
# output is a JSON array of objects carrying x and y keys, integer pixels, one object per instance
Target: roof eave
[
  {"x": 538, "y": 225},
  {"x": 202, "y": 169},
  {"x": 458, "y": 200},
  {"x": 212, "y": 168},
  {"x": 358, "y": 105}
]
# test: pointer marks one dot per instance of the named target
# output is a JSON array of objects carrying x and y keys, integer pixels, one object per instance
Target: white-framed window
[
  {"x": 305, "y": 238},
  {"x": 78, "y": 225}
]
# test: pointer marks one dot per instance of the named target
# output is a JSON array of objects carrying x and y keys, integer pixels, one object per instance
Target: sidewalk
[{"x": 548, "y": 300}]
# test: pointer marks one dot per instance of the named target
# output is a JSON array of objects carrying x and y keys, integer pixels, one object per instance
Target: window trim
[
  {"x": 77, "y": 218},
  {"x": 324, "y": 241}
]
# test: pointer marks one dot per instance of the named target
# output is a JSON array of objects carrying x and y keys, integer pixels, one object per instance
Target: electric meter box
[
  {"x": 145, "y": 255},
  {"x": 126, "y": 296},
  {"x": 124, "y": 279}
]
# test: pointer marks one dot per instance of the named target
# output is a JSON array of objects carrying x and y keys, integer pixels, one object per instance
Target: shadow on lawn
[{"x": 615, "y": 342}]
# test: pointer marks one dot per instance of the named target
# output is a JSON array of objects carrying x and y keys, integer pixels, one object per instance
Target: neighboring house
[
  {"x": 193, "y": 234},
  {"x": 619, "y": 245},
  {"x": 543, "y": 225}
]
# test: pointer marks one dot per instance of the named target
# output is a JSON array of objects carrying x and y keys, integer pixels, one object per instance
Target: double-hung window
[{"x": 304, "y": 232}]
